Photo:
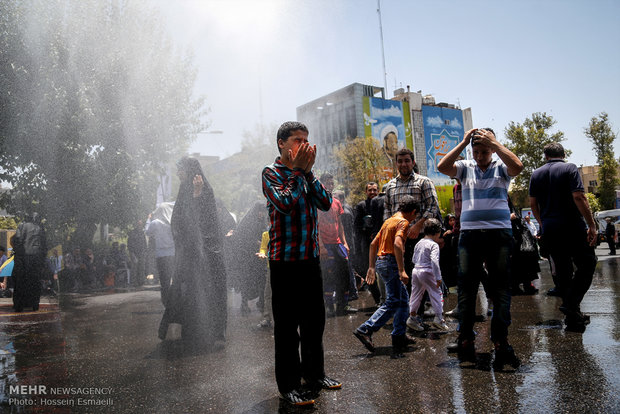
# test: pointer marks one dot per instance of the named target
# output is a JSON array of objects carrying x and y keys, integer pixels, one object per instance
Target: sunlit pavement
[{"x": 100, "y": 353}]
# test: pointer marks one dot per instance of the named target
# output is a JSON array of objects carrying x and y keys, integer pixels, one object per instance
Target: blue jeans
[
  {"x": 396, "y": 302},
  {"x": 490, "y": 247}
]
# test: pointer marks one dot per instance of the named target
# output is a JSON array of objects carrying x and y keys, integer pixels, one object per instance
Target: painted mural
[
  {"x": 443, "y": 130},
  {"x": 390, "y": 123}
]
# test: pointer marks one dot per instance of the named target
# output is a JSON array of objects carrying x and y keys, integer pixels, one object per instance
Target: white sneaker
[
  {"x": 414, "y": 324},
  {"x": 440, "y": 324}
]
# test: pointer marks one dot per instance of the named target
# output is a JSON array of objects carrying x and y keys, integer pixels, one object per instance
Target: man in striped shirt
[
  {"x": 293, "y": 195},
  {"x": 486, "y": 237}
]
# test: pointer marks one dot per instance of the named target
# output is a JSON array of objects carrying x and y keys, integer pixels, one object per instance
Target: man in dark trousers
[
  {"x": 293, "y": 195},
  {"x": 610, "y": 235},
  {"x": 559, "y": 203},
  {"x": 365, "y": 230},
  {"x": 136, "y": 244}
]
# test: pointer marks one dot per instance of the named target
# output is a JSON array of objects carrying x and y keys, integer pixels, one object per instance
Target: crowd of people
[
  {"x": 306, "y": 254},
  {"x": 408, "y": 254}
]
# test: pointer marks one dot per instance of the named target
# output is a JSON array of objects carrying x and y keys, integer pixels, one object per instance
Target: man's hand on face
[
  {"x": 198, "y": 184},
  {"x": 305, "y": 154},
  {"x": 311, "y": 161}
]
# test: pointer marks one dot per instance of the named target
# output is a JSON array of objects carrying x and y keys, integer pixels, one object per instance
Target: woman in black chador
[
  {"x": 30, "y": 250},
  {"x": 249, "y": 270},
  {"x": 197, "y": 297}
]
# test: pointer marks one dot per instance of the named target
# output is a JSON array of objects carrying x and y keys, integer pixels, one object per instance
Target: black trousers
[
  {"x": 299, "y": 318},
  {"x": 165, "y": 269},
  {"x": 574, "y": 261}
]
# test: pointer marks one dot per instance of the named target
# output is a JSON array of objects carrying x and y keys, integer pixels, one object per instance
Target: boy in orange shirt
[{"x": 387, "y": 251}]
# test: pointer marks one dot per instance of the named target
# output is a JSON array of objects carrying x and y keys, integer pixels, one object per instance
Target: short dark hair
[
  {"x": 287, "y": 129},
  {"x": 554, "y": 150},
  {"x": 475, "y": 142},
  {"x": 326, "y": 176},
  {"x": 432, "y": 226},
  {"x": 369, "y": 183},
  {"x": 408, "y": 204},
  {"x": 404, "y": 151}
]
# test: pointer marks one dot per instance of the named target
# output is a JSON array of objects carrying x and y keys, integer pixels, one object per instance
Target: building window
[
  {"x": 593, "y": 183},
  {"x": 446, "y": 121}
]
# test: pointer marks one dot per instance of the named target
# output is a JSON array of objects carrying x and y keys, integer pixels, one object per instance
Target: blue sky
[{"x": 259, "y": 60}]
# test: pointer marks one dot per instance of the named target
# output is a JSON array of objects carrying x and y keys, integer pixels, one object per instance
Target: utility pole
[{"x": 382, "y": 49}]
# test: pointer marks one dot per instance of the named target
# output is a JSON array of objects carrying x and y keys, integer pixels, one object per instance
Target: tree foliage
[
  {"x": 595, "y": 206},
  {"x": 600, "y": 133},
  {"x": 237, "y": 180},
  {"x": 527, "y": 141},
  {"x": 362, "y": 160},
  {"x": 8, "y": 223},
  {"x": 95, "y": 100}
]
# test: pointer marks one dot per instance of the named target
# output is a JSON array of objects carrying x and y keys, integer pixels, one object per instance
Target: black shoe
[
  {"x": 516, "y": 291},
  {"x": 504, "y": 354},
  {"x": 327, "y": 383},
  {"x": 574, "y": 316},
  {"x": 578, "y": 327},
  {"x": 554, "y": 292},
  {"x": 409, "y": 340},
  {"x": 530, "y": 289},
  {"x": 365, "y": 339},
  {"x": 466, "y": 350},
  {"x": 297, "y": 397},
  {"x": 35, "y": 308},
  {"x": 584, "y": 318},
  {"x": 399, "y": 346}
]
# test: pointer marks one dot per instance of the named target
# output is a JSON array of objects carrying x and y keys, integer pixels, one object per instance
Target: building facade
[{"x": 410, "y": 120}]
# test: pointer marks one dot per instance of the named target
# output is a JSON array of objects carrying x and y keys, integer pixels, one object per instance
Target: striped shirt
[
  {"x": 292, "y": 200},
  {"x": 485, "y": 195},
  {"x": 421, "y": 188}
]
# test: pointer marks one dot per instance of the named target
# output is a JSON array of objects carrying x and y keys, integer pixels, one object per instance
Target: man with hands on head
[
  {"x": 485, "y": 238},
  {"x": 293, "y": 196}
]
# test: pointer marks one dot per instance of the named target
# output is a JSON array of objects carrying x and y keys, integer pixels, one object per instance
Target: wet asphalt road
[{"x": 106, "y": 345}]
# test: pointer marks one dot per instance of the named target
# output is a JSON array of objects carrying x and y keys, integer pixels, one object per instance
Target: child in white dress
[{"x": 426, "y": 277}]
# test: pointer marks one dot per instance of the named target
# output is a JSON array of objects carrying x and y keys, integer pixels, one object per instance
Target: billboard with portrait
[
  {"x": 389, "y": 122},
  {"x": 443, "y": 130}
]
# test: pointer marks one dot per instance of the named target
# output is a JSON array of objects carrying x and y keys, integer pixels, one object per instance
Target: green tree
[
  {"x": 595, "y": 206},
  {"x": 527, "y": 141},
  {"x": 8, "y": 223},
  {"x": 95, "y": 100},
  {"x": 362, "y": 160},
  {"x": 600, "y": 133},
  {"x": 237, "y": 180}
]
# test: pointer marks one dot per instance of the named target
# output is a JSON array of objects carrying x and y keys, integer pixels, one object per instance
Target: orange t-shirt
[{"x": 395, "y": 226}]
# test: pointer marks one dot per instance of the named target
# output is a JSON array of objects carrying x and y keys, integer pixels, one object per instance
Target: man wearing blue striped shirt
[{"x": 486, "y": 237}]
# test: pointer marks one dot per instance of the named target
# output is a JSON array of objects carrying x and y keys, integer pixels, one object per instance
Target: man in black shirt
[{"x": 559, "y": 204}]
